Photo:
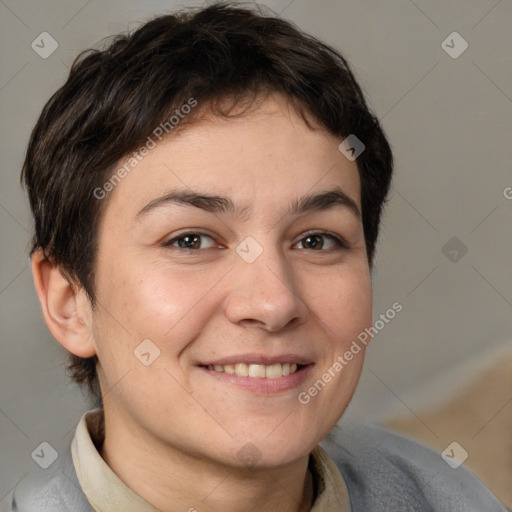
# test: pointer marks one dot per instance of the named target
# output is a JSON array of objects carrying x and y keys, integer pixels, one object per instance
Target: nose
[{"x": 265, "y": 294}]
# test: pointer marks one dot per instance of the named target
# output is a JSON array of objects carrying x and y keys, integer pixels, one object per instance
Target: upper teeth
[{"x": 259, "y": 371}]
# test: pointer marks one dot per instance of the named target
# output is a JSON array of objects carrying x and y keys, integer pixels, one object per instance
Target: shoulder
[
  {"x": 55, "y": 489},
  {"x": 385, "y": 471}
]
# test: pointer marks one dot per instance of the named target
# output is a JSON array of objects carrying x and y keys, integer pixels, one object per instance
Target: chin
[{"x": 263, "y": 452}]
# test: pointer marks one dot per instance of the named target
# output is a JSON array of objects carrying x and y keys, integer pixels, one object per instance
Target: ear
[{"x": 67, "y": 311}]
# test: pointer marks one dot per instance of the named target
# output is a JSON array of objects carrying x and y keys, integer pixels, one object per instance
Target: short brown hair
[{"x": 114, "y": 98}]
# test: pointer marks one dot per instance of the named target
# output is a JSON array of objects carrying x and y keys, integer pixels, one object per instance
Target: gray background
[{"x": 449, "y": 121}]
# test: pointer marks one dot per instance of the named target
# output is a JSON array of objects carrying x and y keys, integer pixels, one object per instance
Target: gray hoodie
[{"x": 384, "y": 472}]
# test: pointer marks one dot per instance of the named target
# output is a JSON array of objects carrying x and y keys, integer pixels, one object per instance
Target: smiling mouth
[{"x": 257, "y": 371}]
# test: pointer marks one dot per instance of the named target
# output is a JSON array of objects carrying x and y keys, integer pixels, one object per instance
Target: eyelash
[{"x": 340, "y": 243}]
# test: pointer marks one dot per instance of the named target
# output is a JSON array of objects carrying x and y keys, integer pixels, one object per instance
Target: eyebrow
[{"x": 216, "y": 204}]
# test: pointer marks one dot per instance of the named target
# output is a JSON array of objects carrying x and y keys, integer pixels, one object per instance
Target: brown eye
[
  {"x": 321, "y": 241},
  {"x": 313, "y": 242},
  {"x": 194, "y": 241},
  {"x": 189, "y": 242}
]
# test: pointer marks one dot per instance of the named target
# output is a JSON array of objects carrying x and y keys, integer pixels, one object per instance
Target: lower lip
[{"x": 263, "y": 386}]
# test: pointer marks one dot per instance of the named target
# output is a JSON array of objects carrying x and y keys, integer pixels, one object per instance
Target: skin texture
[{"x": 174, "y": 431}]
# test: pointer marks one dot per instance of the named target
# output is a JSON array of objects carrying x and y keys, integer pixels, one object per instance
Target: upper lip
[{"x": 265, "y": 359}]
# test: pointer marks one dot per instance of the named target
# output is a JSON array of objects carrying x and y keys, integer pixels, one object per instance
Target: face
[{"x": 235, "y": 246}]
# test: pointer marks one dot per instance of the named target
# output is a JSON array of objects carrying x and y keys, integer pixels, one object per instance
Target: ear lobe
[{"x": 63, "y": 307}]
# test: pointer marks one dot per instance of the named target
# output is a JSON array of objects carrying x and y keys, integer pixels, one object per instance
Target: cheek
[
  {"x": 149, "y": 303},
  {"x": 343, "y": 302},
  {"x": 157, "y": 302},
  {"x": 343, "y": 307}
]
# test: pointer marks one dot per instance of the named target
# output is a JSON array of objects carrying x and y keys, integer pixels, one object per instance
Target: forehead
[{"x": 261, "y": 158}]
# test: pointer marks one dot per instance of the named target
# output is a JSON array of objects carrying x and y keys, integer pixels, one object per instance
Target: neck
[{"x": 171, "y": 479}]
